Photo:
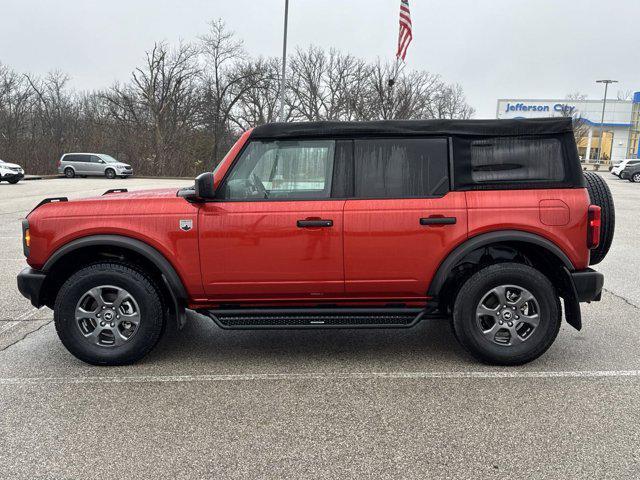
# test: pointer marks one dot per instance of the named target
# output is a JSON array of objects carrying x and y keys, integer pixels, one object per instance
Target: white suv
[
  {"x": 618, "y": 169},
  {"x": 10, "y": 172}
]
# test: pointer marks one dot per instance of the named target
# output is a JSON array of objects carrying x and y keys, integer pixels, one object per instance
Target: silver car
[{"x": 92, "y": 164}]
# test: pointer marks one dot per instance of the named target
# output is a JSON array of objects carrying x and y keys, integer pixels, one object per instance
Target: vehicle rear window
[
  {"x": 515, "y": 162},
  {"x": 401, "y": 168},
  {"x": 76, "y": 158},
  {"x": 517, "y": 159}
]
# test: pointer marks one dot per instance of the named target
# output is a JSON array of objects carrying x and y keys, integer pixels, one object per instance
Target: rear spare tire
[{"x": 600, "y": 195}]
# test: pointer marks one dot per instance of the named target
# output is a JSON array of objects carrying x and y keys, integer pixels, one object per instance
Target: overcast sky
[{"x": 494, "y": 48}]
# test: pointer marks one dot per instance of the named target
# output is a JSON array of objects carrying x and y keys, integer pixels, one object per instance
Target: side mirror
[{"x": 205, "y": 188}]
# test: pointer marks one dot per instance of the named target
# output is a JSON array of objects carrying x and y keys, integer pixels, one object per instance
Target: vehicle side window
[
  {"x": 401, "y": 168},
  {"x": 296, "y": 170},
  {"x": 95, "y": 159},
  {"x": 73, "y": 158},
  {"x": 512, "y": 159}
]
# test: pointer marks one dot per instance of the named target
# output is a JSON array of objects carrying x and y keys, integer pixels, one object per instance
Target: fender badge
[{"x": 186, "y": 225}]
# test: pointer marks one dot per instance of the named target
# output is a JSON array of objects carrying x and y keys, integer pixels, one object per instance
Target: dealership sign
[{"x": 557, "y": 107}]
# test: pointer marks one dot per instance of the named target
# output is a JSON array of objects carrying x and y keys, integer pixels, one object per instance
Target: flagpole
[{"x": 283, "y": 79}]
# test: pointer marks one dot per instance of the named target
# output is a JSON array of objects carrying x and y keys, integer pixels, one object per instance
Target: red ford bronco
[{"x": 337, "y": 225}]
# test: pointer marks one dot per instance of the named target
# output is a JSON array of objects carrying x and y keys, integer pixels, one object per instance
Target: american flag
[{"x": 405, "y": 36}]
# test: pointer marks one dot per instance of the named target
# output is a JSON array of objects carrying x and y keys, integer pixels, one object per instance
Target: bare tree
[
  {"x": 225, "y": 78},
  {"x": 625, "y": 95},
  {"x": 160, "y": 99},
  {"x": 184, "y": 106}
]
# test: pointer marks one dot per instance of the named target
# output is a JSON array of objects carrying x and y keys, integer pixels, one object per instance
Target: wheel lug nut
[
  {"x": 511, "y": 324},
  {"x": 112, "y": 324},
  {"x": 118, "y": 316},
  {"x": 513, "y": 308},
  {"x": 517, "y": 317},
  {"x": 102, "y": 324},
  {"x": 103, "y": 307},
  {"x": 500, "y": 322},
  {"x": 98, "y": 315}
]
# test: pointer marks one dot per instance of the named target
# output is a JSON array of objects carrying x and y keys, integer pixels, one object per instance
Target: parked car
[
  {"x": 618, "y": 169},
  {"x": 488, "y": 223},
  {"x": 632, "y": 173},
  {"x": 10, "y": 172},
  {"x": 92, "y": 164}
]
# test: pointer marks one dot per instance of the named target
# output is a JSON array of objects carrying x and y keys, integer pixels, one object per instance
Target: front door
[
  {"x": 403, "y": 219},
  {"x": 274, "y": 233}
]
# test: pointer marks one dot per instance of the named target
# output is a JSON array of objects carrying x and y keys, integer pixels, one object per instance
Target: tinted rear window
[
  {"x": 401, "y": 168},
  {"x": 517, "y": 159},
  {"x": 76, "y": 158}
]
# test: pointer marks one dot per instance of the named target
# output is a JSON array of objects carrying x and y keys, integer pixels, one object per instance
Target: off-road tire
[
  {"x": 125, "y": 276},
  {"x": 69, "y": 172},
  {"x": 110, "y": 173},
  {"x": 600, "y": 195},
  {"x": 475, "y": 288}
]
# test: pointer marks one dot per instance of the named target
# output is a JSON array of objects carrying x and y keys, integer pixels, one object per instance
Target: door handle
[
  {"x": 438, "y": 221},
  {"x": 314, "y": 223}
]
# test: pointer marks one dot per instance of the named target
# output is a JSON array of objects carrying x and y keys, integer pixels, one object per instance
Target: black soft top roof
[{"x": 481, "y": 128}]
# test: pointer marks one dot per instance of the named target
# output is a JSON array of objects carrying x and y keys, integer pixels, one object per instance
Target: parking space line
[{"x": 253, "y": 377}]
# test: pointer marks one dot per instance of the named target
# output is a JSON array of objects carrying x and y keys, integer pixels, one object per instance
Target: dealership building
[{"x": 621, "y": 123}]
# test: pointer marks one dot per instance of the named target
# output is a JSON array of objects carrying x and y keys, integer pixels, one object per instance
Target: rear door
[
  {"x": 96, "y": 165},
  {"x": 403, "y": 219},
  {"x": 275, "y": 233}
]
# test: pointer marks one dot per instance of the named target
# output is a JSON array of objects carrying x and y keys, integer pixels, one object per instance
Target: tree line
[{"x": 185, "y": 105}]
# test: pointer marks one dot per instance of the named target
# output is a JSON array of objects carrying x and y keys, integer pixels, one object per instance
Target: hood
[
  {"x": 138, "y": 194},
  {"x": 115, "y": 203},
  {"x": 10, "y": 165}
]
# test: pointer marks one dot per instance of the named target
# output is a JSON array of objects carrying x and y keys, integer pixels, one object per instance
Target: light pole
[
  {"x": 284, "y": 59},
  {"x": 604, "y": 106}
]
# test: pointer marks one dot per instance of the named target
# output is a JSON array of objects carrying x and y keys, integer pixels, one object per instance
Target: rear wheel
[
  {"x": 507, "y": 314},
  {"x": 69, "y": 172},
  {"x": 110, "y": 173},
  {"x": 600, "y": 195},
  {"x": 109, "y": 314},
  {"x": 636, "y": 178}
]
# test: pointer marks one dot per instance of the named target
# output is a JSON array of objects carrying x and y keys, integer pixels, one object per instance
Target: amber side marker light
[{"x": 26, "y": 237}]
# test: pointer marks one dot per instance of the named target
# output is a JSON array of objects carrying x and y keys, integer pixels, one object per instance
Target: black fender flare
[
  {"x": 169, "y": 275},
  {"x": 486, "y": 239}
]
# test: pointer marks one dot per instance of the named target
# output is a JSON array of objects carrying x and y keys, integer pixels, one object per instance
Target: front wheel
[
  {"x": 110, "y": 173},
  {"x": 507, "y": 314},
  {"x": 109, "y": 314},
  {"x": 635, "y": 178}
]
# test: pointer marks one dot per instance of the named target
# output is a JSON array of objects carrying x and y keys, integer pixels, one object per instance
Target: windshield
[{"x": 109, "y": 159}]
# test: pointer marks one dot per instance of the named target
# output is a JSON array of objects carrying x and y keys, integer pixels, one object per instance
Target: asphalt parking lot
[{"x": 208, "y": 403}]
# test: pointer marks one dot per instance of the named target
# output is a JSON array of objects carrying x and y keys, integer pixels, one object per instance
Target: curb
[{"x": 49, "y": 177}]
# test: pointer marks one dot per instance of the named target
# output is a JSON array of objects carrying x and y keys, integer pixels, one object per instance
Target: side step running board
[{"x": 295, "y": 318}]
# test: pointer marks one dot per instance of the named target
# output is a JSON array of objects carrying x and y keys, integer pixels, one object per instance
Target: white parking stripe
[{"x": 252, "y": 377}]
